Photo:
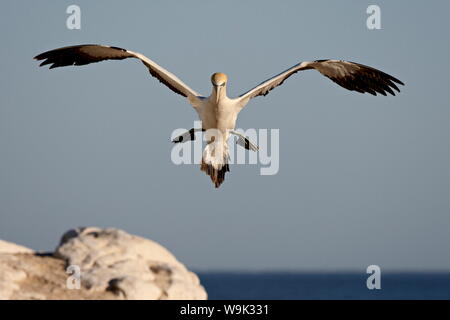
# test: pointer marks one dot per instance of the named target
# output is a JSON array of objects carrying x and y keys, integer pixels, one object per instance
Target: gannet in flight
[{"x": 218, "y": 112}]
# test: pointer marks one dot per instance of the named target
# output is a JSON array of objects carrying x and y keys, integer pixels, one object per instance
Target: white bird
[{"x": 218, "y": 112}]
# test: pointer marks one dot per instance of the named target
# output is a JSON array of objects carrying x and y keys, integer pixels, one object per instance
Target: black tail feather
[{"x": 217, "y": 175}]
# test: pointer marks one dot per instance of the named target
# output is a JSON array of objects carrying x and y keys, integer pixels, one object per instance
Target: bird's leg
[
  {"x": 187, "y": 136},
  {"x": 244, "y": 142}
]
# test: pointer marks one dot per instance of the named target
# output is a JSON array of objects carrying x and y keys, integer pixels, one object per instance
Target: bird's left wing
[
  {"x": 349, "y": 75},
  {"x": 90, "y": 53}
]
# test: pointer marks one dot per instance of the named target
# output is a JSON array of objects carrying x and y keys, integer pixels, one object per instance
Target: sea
[{"x": 324, "y": 286}]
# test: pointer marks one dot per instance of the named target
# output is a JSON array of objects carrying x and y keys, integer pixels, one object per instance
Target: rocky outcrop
[
  {"x": 9, "y": 247},
  {"x": 93, "y": 263}
]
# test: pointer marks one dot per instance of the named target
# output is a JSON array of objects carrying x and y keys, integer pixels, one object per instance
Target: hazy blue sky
[{"x": 363, "y": 180}]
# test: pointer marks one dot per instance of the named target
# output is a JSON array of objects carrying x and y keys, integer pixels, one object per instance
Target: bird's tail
[{"x": 215, "y": 161}]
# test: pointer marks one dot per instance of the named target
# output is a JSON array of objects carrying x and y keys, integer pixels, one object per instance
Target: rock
[
  {"x": 9, "y": 247},
  {"x": 11, "y": 274},
  {"x": 111, "y": 264}
]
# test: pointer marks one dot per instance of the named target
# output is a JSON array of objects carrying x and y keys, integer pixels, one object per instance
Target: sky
[{"x": 362, "y": 180}]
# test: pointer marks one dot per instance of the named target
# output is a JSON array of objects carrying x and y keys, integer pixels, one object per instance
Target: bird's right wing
[
  {"x": 90, "y": 53},
  {"x": 349, "y": 75}
]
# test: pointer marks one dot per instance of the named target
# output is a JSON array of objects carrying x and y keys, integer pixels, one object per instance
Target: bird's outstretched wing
[
  {"x": 90, "y": 53},
  {"x": 350, "y": 75}
]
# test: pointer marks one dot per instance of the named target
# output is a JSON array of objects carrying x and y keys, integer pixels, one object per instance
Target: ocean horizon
[{"x": 279, "y": 285}]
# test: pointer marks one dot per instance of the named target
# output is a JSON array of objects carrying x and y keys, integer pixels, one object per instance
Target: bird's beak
[{"x": 218, "y": 89}]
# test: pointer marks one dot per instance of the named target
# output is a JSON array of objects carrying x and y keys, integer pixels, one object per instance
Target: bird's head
[{"x": 219, "y": 81}]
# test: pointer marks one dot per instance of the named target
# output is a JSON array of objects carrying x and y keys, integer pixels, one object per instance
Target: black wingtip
[
  {"x": 43, "y": 63},
  {"x": 41, "y": 56},
  {"x": 397, "y": 81}
]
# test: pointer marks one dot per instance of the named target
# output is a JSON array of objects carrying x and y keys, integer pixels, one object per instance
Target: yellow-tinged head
[{"x": 219, "y": 79}]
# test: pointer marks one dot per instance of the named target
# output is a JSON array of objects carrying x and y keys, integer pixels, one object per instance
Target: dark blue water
[{"x": 281, "y": 285}]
